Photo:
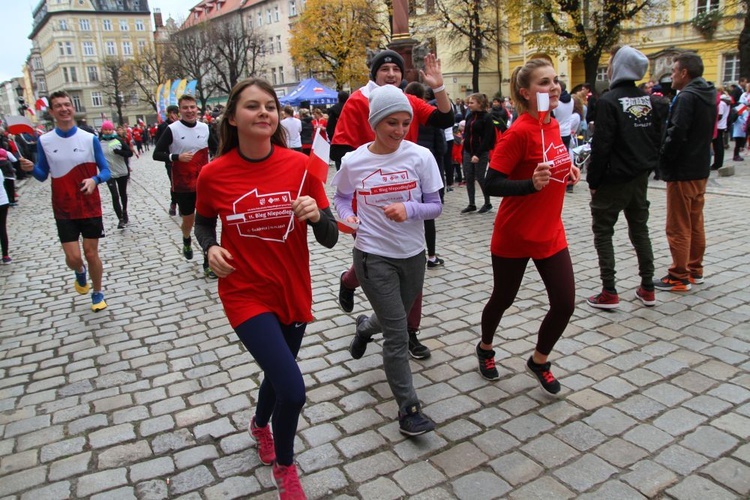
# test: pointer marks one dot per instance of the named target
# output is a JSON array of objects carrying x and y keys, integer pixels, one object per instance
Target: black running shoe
[
  {"x": 543, "y": 375},
  {"x": 487, "y": 364},
  {"x": 346, "y": 296},
  {"x": 417, "y": 350},
  {"x": 470, "y": 208},
  {"x": 359, "y": 345},
  {"x": 413, "y": 422},
  {"x": 432, "y": 264}
]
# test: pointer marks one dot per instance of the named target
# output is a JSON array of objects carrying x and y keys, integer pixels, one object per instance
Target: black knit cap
[{"x": 386, "y": 56}]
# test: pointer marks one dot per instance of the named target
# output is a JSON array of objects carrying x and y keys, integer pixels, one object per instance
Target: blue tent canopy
[{"x": 310, "y": 90}]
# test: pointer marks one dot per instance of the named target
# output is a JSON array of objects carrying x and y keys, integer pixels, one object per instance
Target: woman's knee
[
  {"x": 563, "y": 307},
  {"x": 293, "y": 396},
  {"x": 499, "y": 302}
]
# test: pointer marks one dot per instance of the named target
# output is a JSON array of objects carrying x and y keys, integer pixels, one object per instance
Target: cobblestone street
[{"x": 150, "y": 399}]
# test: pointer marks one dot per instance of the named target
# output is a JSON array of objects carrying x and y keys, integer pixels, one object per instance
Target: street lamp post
[{"x": 22, "y": 106}]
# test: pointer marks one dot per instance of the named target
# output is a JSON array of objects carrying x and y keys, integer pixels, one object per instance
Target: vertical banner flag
[
  {"x": 165, "y": 92},
  {"x": 159, "y": 98},
  {"x": 173, "y": 92},
  {"x": 191, "y": 87},
  {"x": 181, "y": 88}
]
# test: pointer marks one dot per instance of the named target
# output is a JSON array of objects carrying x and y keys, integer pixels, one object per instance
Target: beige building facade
[
  {"x": 70, "y": 41},
  {"x": 663, "y": 32}
]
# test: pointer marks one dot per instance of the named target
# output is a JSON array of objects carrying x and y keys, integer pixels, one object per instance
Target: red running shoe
[
  {"x": 605, "y": 300},
  {"x": 264, "y": 439},
  {"x": 287, "y": 481},
  {"x": 647, "y": 297}
]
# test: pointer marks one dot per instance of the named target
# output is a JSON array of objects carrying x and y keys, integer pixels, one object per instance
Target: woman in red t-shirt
[
  {"x": 530, "y": 168},
  {"x": 260, "y": 190},
  {"x": 320, "y": 123}
]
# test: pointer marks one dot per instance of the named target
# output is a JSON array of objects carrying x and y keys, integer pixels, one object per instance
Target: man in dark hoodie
[
  {"x": 624, "y": 151},
  {"x": 685, "y": 165}
]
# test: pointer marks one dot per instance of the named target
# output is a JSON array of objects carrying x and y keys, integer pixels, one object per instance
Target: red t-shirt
[
  {"x": 253, "y": 200},
  {"x": 353, "y": 127},
  {"x": 530, "y": 225}
]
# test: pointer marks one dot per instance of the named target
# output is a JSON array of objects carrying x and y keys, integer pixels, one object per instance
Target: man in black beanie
[{"x": 353, "y": 130}]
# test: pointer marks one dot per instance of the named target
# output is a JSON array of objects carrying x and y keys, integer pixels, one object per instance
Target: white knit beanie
[{"x": 385, "y": 101}]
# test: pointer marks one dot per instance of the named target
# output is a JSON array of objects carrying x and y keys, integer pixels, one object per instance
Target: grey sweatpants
[{"x": 391, "y": 286}]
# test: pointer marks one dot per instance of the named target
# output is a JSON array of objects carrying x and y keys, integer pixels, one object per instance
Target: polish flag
[
  {"x": 19, "y": 125},
  {"x": 320, "y": 155},
  {"x": 542, "y": 105},
  {"x": 347, "y": 227},
  {"x": 41, "y": 104}
]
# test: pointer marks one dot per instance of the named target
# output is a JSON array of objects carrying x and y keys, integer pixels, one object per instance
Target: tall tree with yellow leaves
[
  {"x": 330, "y": 37},
  {"x": 584, "y": 27}
]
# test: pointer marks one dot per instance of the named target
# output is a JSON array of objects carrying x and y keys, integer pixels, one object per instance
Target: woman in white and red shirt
[{"x": 530, "y": 168}]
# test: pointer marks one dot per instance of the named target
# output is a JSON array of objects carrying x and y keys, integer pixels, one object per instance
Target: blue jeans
[{"x": 391, "y": 286}]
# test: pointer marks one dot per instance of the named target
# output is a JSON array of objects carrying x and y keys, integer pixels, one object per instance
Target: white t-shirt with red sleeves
[
  {"x": 269, "y": 247},
  {"x": 380, "y": 180},
  {"x": 531, "y": 225},
  {"x": 188, "y": 140}
]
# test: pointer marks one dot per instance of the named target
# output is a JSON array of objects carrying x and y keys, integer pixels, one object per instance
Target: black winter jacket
[
  {"x": 628, "y": 132},
  {"x": 479, "y": 134},
  {"x": 686, "y": 150}
]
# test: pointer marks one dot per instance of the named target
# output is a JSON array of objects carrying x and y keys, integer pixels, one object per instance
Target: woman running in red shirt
[
  {"x": 529, "y": 223},
  {"x": 256, "y": 187}
]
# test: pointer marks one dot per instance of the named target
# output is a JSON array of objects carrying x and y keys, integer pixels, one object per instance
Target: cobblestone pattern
[{"x": 150, "y": 398}]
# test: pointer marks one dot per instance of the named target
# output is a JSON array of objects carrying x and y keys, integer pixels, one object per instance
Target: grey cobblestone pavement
[{"x": 150, "y": 398}]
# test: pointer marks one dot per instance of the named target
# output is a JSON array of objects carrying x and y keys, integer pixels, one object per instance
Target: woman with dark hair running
[
  {"x": 530, "y": 168},
  {"x": 260, "y": 190}
]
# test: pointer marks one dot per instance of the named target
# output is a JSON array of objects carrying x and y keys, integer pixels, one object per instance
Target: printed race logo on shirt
[
  {"x": 264, "y": 216},
  {"x": 560, "y": 158},
  {"x": 381, "y": 189}
]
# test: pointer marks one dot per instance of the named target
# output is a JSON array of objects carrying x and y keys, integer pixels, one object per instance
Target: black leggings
[
  {"x": 4, "y": 229},
  {"x": 739, "y": 143},
  {"x": 119, "y": 185},
  {"x": 557, "y": 275},
  {"x": 430, "y": 236}
]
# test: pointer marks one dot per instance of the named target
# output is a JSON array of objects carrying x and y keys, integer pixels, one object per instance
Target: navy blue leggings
[{"x": 282, "y": 392}]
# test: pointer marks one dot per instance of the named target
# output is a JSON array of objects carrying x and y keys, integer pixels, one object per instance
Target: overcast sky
[{"x": 17, "y": 27}]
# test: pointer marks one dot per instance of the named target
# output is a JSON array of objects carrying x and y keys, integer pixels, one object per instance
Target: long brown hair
[
  {"x": 521, "y": 79},
  {"x": 228, "y": 136}
]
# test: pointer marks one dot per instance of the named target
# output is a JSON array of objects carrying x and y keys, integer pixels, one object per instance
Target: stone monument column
[{"x": 401, "y": 40}]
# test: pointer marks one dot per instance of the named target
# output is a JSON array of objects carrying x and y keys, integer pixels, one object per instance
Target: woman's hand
[
  {"x": 542, "y": 175},
  {"x": 306, "y": 208},
  {"x": 474, "y": 159},
  {"x": 218, "y": 261},
  {"x": 395, "y": 212},
  {"x": 575, "y": 175}
]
